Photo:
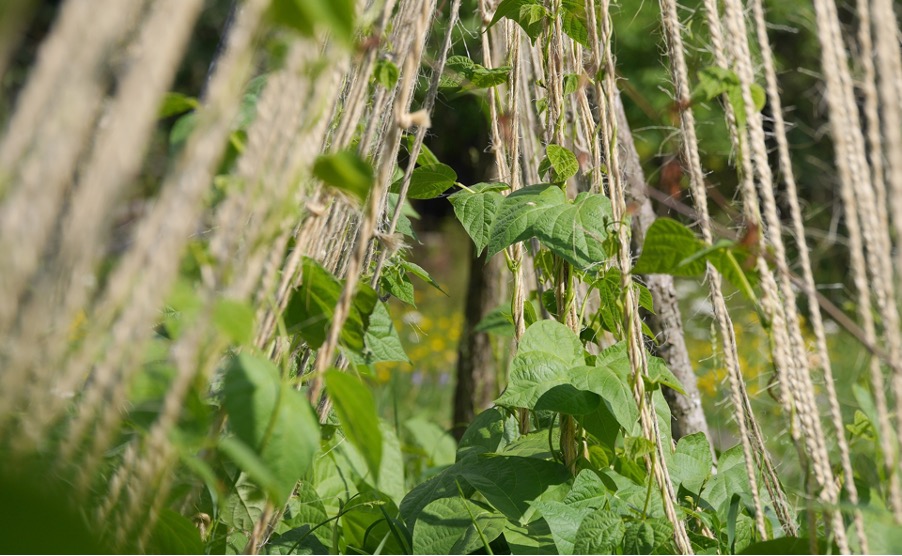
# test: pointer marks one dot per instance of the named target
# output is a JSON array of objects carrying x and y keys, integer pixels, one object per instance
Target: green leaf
[
  {"x": 174, "y": 104},
  {"x": 577, "y": 231},
  {"x": 731, "y": 478},
  {"x": 787, "y": 545},
  {"x": 396, "y": 282},
  {"x": 660, "y": 375},
  {"x": 573, "y": 21},
  {"x": 528, "y": 14},
  {"x": 476, "y": 209},
  {"x": 639, "y": 538},
  {"x": 453, "y": 526},
  {"x": 499, "y": 321},
  {"x": 668, "y": 244},
  {"x": 470, "y": 75},
  {"x": 692, "y": 462},
  {"x": 563, "y": 520},
  {"x": 510, "y": 483},
  {"x": 613, "y": 388},
  {"x": 571, "y": 83},
  {"x": 386, "y": 73},
  {"x": 715, "y": 81},
  {"x": 271, "y": 419},
  {"x": 304, "y": 16},
  {"x": 407, "y": 212},
  {"x": 310, "y": 309},
  {"x": 490, "y": 431},
  {"x": 614, "y": 385},
  {"x": 563, "y": 161},
  {"x": 300, "y": 540},
  {"x": 519, "y": 212},
  {"x": 247, "y": 460},
  {"x": 428, "y": 182},
  {"x": 600, "y": 532},
  {"x": 426, "y": 156},
  {"x": 421, "y": 273},
  {"x": 567, "y": 399},
  {"x": 244, "y": 505},
  {"x": 439, "y": 447},
  {"x": 356, "y": 410},
  {"x": 382, "y": 341},
  {"x": 534, "y": 538},
  {"x": 181, "y": 129},
  {"x": 174, "y": 534},
  {"x": 345, "y": 170},
  {"x": 235, "y": 319},
  {"x": 247, "y": 110},
  {"x": 312, "y": 305},
  {"x": 553, "y": 339},
  {"x": 565, "y": 516},
  {"x": 531, "y": 376}
]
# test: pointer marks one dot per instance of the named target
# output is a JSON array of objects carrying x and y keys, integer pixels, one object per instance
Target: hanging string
[
  {"x": 889, "y": 63},
  {"x": 846, "y": 131},
  {"x": 149, "y": 268},
  {"x": 403, "y": 120},
  {"x": 804, "y": 259},
  {"x": 679, "y": 72},
  {"x": 633, "y": 330}
]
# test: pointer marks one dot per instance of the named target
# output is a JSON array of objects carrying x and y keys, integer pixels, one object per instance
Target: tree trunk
[
  {"x": 476, "y": 364},
  {"x": 667, "y": 323}
]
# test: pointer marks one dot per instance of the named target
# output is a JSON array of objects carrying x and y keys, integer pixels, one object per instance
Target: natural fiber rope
[
  {"x": 427, "y": 106},
  {"x": 787, "y": 346},
  {"x": 845, "y": 131},
  {"x": 680, "y": 76},
  {"x": 368, "y": 225},
  {"x": 112, "y": 165},
  {"x": 638, "y": 360},
  {"x": 804, "y": 259},
  {"x": 889, "y": 62},
  {"x": 279, "y": 117},
  {"x": 148, "y": 269},
  {"x": 43, "y": 129},
  {"x": 800, "y": 387}
]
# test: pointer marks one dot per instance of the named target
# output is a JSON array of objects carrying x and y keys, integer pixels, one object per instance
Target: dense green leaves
[
  {"x": 272, "y": 421},
  {"x": 510, "y": 483}
]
